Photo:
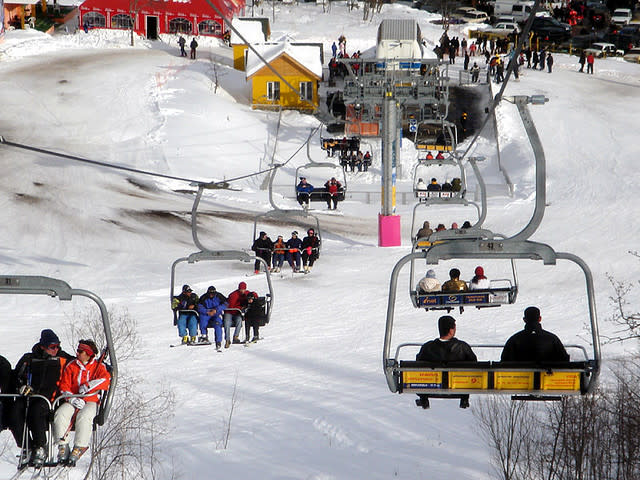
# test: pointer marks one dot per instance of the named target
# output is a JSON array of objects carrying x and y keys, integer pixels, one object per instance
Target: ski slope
[{"x": 312, "y": 402}]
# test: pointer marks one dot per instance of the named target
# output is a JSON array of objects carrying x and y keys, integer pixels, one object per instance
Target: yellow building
[
  {"x": 251, "y": 30},
  {"x": 299, "y": 64}
]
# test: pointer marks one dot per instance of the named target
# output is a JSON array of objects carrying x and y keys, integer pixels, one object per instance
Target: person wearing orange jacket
[{"x": 84, "y": 375}]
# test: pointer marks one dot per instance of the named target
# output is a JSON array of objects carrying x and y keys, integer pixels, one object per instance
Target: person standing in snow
[
  {"x": 210, "y": 308},
  {"x": 85, "y": 376},
  {"x": 582, "y": 61},
  {"x": 184, "y": 306},
  {"x": 590, "y": 61},
  {"x": 193, "y": 46},
  {"x": 233, "y": 313},
  {"x": 310, "y": 250},
  {"x": 182, "y": 42},
  {"x": 549, "y": 62},
  {"x": 334, "y": 50}
]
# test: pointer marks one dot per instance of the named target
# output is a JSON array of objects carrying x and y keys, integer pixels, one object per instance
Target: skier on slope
[
  {"x": 294, "y": 246},
  {"x": 211, "y": 307},
  {"x": 86, "y": 376},
  {"x": 310, "y": 250}
]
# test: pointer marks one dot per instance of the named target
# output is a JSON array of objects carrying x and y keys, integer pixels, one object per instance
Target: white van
[{"x": 519, "y": 10}]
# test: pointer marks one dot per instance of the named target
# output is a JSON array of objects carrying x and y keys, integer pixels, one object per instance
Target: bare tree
[{"x": 628, "y": 321}]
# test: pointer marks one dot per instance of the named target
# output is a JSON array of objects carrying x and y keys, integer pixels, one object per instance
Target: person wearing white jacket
[
  {"x": 479, "y": 281},
  {"x": 429, "y": 283}
]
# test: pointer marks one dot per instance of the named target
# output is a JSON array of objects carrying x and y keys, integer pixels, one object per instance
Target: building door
[{"x": 152, "y": 27}]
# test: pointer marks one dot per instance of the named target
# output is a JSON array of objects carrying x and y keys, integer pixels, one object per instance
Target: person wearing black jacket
[
  {"x": 263, "y": 246},
  {"x": 310, "y": 250},
  {"x": 6, "y": 386},
  {"x": 533, "y": 344},
  {"x": 37, "y": 373},
  {"x": 443, "y": 350}
]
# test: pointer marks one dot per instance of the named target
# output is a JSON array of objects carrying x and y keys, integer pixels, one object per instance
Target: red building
[{"x": 153, "y": 17}]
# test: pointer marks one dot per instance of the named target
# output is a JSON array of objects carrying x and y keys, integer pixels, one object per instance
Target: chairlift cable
[{"x": 498, "y": 97}]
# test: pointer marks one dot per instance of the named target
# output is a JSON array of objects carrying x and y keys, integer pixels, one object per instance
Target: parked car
[
  {"x": 462, "y": 11},
  {"x": 633, "y": 55},
  {"x": 476, "y": 16},
  {"x": 505, "y": 27},
  {"x": 621, "y": 16},
  {"x": 505, "y": 19},
  {"x": 602, "y": 49},
  {"x": 548, "y": 28}
]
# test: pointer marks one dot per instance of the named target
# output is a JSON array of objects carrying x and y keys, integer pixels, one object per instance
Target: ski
[
  {"x": 21, "y": 470},
  {"x": 195, "y": 344}
]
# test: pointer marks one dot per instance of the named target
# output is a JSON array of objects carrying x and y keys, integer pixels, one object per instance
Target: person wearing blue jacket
[
  {"x": 294, "y": 247},
  {"x": 211, "y": 307},
  {"x": 303, "y": 192}
]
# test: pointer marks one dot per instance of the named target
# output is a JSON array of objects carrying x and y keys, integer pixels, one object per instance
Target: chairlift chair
[
  {"x": 223, "y": 255},
  {"x": 39, "y": 285},
  {"x": 524, "y": 381}
]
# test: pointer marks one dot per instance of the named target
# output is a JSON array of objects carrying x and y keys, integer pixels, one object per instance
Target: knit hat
[
  {"x": 186, "y": 288},
  {"x": 479, "y": 271},
  {"x": 242, "y": 286},
  {"x": 48, "y": 337},
  {"x": 430, "y": 274},
  {"x": 263, "y": 233},
  {"x": 211, "y": 289}
]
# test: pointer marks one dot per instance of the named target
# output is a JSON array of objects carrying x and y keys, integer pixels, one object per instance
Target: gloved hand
[
  {"x": 26, "y": 390},
  {"x": 84, "y": 388},
  {"x": 76, "y": 402}
]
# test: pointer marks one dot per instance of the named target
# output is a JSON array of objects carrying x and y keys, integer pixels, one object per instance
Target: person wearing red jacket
[
  {"x": 236, "y": 304},
  {"x": 82, "y": 376}
]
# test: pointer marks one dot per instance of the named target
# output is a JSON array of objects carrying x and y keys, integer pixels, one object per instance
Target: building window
[
  {"x": 94, "y": 20},
  {"x": 121, "y": 21},
  {"x": 180, "y": 25},
  {"x": 273, "y": 90},
  {"x": 306, "y": 91},
  {"x": 210, "y": 27}
]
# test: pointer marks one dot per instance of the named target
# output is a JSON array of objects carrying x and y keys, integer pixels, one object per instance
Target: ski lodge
[{"x": 154, "y": 17}]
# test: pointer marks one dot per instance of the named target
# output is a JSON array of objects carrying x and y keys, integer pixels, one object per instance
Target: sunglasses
[{"x": 53, "y": 346}]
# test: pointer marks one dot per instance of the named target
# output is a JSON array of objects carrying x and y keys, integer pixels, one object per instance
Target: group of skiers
[
  {"x": 193, "y": 46},
  {"x": 48, "y": 378},
  {"x": 426, "y": 230},
  {"x": 297, "y": 252},
  {"x": 331, "y": 193},
  {"x": 214, "y": 310},
  {"x": 454, "y": 186},
  {"x": 429, "y": 283}
]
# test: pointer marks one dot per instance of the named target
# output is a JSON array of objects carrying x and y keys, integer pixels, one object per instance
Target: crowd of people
[
  {"x": 220, "y": 312},
  {"x": 44, "y": 376},
  {"x": 297, "y": 252},
  {"x": 532, "y": 344}
]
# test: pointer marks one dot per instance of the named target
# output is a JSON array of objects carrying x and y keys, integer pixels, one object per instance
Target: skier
[
  {"x": 428, "y": 283},
  {"x": 211, "y": 307},
  {"x": 254, "y": 314},
  {"x": 236, "y": 304},
  {"x": 475, "y": 72},
  {"x": 85, "y": 376},
  {"x": 333, "y": 187},
  {"x": 303, "y": 192},
  {"x": 310, "y": 250},
  {"x": 263, "y": 246},
  {"x": 420, "y": 185},
  {"x": 434, "y": 186},
  {"x": 184, "y": 306},
  {"x": 479, "y": 281},
  {"x": 279, "y": 251},
  {"x": 454, "y": 284},
  {"x": 294, "y": 246},
  {"x": 37, "y": 373}
]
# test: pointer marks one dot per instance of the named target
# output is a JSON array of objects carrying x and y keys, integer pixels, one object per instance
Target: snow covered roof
[
  {"x": 250, "y": 29},
  {"x": 309, "y": 56}
]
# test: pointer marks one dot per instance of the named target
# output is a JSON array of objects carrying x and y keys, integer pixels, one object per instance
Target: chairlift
[
  {"x": 436, "y": 136},
  {"x": 223, "y": 255},
  {"x": 422, "y": 194},
  {"x": 51, "y": 287},
  {"x": 523, "y": 381}
]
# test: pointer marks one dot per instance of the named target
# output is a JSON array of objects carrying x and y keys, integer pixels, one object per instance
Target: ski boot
[
  {"x": 227, "y": 343},
  {"x": 204, "y": 339},
  {"x": 236, "y": 340},
  {"x": 63, "y": 453},
  {"x": 76, "y": 453},
  {"x": 185, "y": 339},
  {"x": 39, "y": 456},
  {"x": 218, "y": 345},
  {"x": 194, "y": 339}
]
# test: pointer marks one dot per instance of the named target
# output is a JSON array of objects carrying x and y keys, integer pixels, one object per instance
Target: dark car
[{"x": 548, "y": 28}]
